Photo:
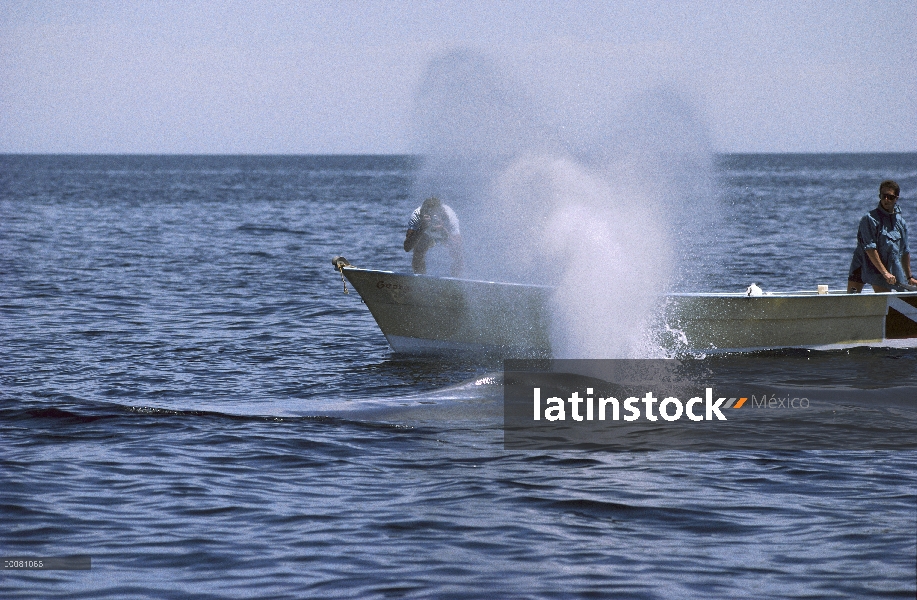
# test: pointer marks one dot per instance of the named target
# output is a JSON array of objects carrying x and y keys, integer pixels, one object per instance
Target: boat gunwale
[{"x": 784, "y": 294}]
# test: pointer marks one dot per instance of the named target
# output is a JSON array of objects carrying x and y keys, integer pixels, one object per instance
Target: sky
[{"x": 259, "y": 77}]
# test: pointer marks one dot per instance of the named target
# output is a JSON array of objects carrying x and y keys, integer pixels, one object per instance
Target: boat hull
[
  {"x": 777, "y": 321},
  {"x": 423, "y": 314},
  {"x": 417, "y": 313}
]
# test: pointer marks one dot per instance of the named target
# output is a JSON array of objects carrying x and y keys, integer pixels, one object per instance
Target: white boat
[{"x": 425, "y": 314}]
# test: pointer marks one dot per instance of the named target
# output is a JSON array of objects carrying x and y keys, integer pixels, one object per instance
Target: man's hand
[
  {"x": 431, "y": 223},
  {"x": 889, "y": 278}
]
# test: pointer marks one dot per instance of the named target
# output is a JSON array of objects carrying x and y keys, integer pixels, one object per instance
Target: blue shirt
[{"x": 886, "y": 233}]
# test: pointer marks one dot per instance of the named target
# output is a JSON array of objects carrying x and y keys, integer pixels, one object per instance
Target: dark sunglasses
[{"x": 889, "y": 197}]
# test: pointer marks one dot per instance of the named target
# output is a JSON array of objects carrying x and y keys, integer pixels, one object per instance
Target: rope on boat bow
[{"x": 339, "y": 263}]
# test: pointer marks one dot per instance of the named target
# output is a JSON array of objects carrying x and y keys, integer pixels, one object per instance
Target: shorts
[{"x": 855, "y": 275}]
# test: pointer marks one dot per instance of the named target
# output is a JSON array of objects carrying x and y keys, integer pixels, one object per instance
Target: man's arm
[
  {"x": 906, "y": 255},
  {"x": 890, "y": 279},
  {"x": 410, "y": 239}
]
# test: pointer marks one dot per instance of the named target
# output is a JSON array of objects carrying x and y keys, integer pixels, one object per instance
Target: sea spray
[
  {"x": 662, "y": 142},
  {"x": 602, "y": 246},
  {"x": 471, "y": 122},
  {"x": 598, "y": 225}
]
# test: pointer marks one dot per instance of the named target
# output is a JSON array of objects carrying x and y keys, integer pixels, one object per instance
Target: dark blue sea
[{"x": 188, "y": 397}]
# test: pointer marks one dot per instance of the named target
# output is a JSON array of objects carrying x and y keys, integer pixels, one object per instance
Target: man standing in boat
[
  {"x": 433, "y": 223},
  {"x": 882, "y": 257}
]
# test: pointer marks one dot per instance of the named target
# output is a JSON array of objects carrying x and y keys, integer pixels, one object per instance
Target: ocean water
[{"x": 188, "y": 397}]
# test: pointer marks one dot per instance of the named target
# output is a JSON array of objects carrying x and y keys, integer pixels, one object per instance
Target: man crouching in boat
[
  {"x": 882, "y": 257},
  {"x": 433, "y": 223}
]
